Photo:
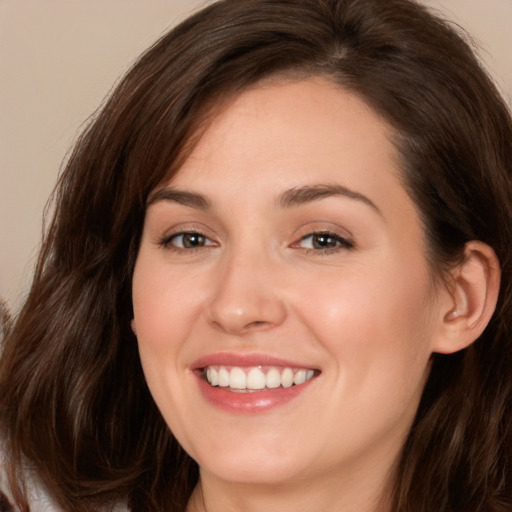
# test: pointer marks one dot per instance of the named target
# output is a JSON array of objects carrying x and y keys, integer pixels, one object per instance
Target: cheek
[
  {"x": 159, "y": 319},
  {"x": 163, "y": 304},
  {"x": 377, "y": 320},
  {"x": 154, "y": 321}
]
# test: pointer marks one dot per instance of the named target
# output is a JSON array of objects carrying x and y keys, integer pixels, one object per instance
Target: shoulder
[
  {"x": 39, "y": 499},
  {"x": 5, "y": 496}
]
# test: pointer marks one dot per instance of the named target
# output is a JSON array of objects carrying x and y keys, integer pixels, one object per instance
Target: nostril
[{"x": 256, "y": 324}]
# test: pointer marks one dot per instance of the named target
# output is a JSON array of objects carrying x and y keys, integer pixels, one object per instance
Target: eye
[
  {"x": 324, "y": 241},
  {"x": 186, "y": 240}
]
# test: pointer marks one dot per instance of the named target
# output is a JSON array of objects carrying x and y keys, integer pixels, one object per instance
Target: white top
[{"x": 39, "y": 499}]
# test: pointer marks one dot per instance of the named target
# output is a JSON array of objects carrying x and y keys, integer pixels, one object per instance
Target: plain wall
[{"x": 60, "y": 58}]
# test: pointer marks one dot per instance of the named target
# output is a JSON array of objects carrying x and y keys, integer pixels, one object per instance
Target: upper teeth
[{"x": 256, "y": 377}]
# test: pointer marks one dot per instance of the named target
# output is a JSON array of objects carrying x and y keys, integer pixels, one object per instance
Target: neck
[{"x": 337, "y": 493}]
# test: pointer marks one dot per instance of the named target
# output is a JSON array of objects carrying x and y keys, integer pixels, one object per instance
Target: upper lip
[{"x": 245, "y": 360}]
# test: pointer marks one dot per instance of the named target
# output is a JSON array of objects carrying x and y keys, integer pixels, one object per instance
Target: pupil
[
  {"x": 193, "y": 240},
  {"x": 323, "y": 241}
]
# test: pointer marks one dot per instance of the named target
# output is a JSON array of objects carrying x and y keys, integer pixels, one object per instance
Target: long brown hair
[{"x": 74, "y": 406}]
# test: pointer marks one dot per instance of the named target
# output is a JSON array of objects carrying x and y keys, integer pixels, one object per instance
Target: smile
[{"x": 256, "y": 378}]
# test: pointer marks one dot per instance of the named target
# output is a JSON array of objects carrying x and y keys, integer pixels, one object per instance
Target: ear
[
  {"x": 470, "y": 299},
  {"x": 133, "y": 326}
]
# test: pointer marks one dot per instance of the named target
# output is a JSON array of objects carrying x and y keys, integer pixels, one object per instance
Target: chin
[
  {"x": 258, "y": 465},
  {"x": 251, "y": 473}
]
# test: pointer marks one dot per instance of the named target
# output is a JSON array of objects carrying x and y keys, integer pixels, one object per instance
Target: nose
[{"x": 246, "y": 297}]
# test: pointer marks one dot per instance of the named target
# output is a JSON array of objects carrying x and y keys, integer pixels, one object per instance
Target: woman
[{"x": 272, "y": 280}]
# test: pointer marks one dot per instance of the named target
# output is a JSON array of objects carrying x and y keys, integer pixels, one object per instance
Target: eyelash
[
  {"x": 166, "y": 242},
  {"x": 341, "y": 243}
]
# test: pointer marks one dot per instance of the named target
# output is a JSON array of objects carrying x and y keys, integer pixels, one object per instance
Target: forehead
[{"x": 286, "y": 133}]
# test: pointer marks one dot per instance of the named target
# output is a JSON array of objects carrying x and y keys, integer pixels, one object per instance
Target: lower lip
[{"x": 250, "y": 402}]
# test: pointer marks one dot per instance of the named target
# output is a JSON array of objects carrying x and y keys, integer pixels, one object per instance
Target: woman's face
[{"x": 285, "y": 249}]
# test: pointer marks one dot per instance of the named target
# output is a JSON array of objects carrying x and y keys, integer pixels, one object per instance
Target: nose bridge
[{"x": 246, "y": 297}]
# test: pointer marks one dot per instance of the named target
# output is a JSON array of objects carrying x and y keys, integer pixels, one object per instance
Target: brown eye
[
  {"x": 188, "y": 240},
  {"x": 325, "y": 242},
  {"x": 191, "y": 240}
]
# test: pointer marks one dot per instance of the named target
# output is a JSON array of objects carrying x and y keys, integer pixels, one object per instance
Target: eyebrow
[
  {"x": 288, "y": 199},
  {"x": 181, "y": 197},
  {"x": 309, "y": 193}
]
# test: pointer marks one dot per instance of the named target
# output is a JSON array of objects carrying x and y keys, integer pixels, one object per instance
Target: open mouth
[{"x": 256, "y": 378}]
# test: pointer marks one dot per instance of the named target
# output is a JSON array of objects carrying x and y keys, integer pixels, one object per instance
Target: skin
[{"x": 366, "y": 314}]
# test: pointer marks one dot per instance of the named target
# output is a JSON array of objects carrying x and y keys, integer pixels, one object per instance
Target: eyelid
[
  {"x": 164, "y": 239},
  {"x": 167, "y": 242},
  {"x": 207, "y": 241},
  {"x": 343, "y": 236},
  {"x": 341, "y": 242},
  {"x": 309, "y": 228}
]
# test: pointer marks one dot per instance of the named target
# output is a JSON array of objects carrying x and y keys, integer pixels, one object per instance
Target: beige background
[{"x": 58, "y": 60}]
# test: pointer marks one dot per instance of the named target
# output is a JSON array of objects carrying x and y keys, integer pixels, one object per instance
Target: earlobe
[
  {"x": 133, "y": 326},
  {"x": 472, "y": 298}
]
